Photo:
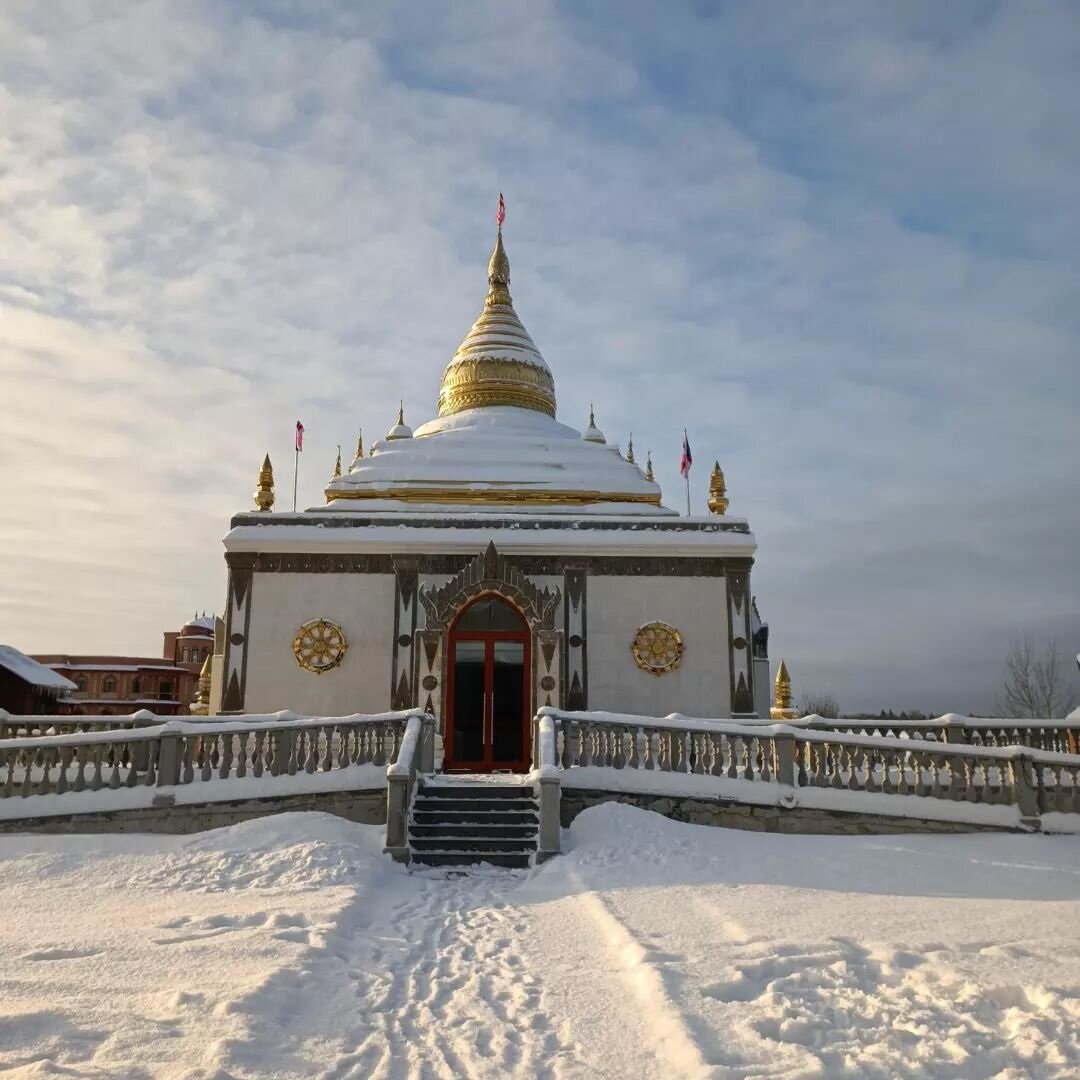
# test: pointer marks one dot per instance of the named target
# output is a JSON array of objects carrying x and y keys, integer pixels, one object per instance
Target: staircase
[{"x": 456, "y": 823}]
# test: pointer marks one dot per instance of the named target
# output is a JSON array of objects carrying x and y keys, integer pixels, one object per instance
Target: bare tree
[
  {"x": 820, "y": 704},
  {"x": 1035, "y": 685}
]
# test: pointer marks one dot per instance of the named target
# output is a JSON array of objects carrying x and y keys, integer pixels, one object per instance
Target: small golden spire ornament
[
  {"x": 718, "y": 502},
  {"x": 401, "y": 412},
  {"x": 337, "y": 464},
  {"x": 782, "y": 708},
  {"x": 360, "y": 443},
  {"x": 264, "y": 490},
  {"x": 630, "y": 450},
  {"x": 201, "y": 705},
  {"x": 648, "y": 466}
]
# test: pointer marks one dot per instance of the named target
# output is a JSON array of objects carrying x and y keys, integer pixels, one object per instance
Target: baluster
[
  {"x": 242, "y": 753},
  {"x": 115, "y": 758},
  {"x": 187, "y": 751},
  {"x": 886, "y": 759},
  {"x": 800, "y": 750},
  {"x": 618, "y": 759},
  {"x": 768, "y": 755},
  {"x": 9, "y": 780},
  {"x": 258, "y": 752},
  {"x": 226, "y": 767},
  {"x": 903, "y": 773},
  {"x": 204, "y": 756},
  {"x": 44, "y": 786},
  {"x": 96, "y": 782},
  {"x": 379, "y": 757},
  {"x": 132, "y": 779},
  {"x": 586, "y": 743},
  {"x": 326, "y": 733}
]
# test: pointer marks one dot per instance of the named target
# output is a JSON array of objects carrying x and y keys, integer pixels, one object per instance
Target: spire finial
[
  {"x": 782, "y": 707},
  {"x": 401, "y": 411},
  {"x": 360, "y": 443},
  {"x": 264, "y": 488},
  {"x": 337, "y": 464},
  {"x": 648, "y": 466},
  {"x": 630, "y": 450},
  {"x": 718, "y": 502},
  {"x": 499, "y": 265}
]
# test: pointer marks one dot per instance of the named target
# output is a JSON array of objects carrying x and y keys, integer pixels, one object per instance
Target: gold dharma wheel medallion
[
  {"x": 319, "y": 646},
  {"x": 657, "y": 648}
]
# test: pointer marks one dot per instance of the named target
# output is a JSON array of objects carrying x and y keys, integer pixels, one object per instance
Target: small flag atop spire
[
  {"x": 500, "y": 215},
  {"x": 299, "y": 436}
]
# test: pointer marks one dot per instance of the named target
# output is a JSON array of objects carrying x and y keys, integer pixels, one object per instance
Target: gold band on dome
[
  {"x": 488, "y": 496},
  {"x": 487, "y": 380}
]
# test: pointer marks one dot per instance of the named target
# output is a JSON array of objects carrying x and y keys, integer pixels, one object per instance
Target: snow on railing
[
  {"x": 416, "y": 755},
  {"x": 545, "y": 775},
  {"x": 204, "y": 760},
  {"x": 799, "y": 757}
]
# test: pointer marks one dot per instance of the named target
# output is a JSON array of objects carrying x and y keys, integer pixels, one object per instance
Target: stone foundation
[
  {"x": 697, "y": 811},
  {"x": 365, "y": 807}
]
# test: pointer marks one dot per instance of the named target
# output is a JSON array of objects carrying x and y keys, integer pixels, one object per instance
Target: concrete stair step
[
  {"x": 471, "y": 843},
  {"x": 512, "y": 831},
  {"x": 510, "y": 859},
  {"x": 476, "y": 791},
  {"x": 425, "y": 803},
  {"x": 465, "y": 815}
]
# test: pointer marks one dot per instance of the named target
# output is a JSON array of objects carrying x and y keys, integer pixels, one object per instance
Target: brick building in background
[{"x": 164, "y": 684}]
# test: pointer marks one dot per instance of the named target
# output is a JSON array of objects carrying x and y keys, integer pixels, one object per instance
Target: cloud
[{"x": 838, "y": 247}]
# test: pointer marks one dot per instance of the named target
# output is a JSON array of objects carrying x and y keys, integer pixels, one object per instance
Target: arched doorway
[{"x": 488, "y": 665}]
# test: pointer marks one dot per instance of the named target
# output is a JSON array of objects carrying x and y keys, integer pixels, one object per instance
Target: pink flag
[
  {"x": 687, "y": 457},
  {"x": 299, "y": 436},
  {"x": 500, "y": 217}
]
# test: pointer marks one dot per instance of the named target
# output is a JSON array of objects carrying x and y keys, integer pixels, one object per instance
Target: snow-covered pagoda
[{"x": 491, "y": 561}]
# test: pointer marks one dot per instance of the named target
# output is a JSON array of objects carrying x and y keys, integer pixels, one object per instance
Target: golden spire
[
  {"x": 648, "y": 466},
  {"x": 497, "y": 363},
  {"x": 401, "y": 411},
  {"x": 201, "y": 705},
  {"x": 782, "y": 707},
  {"x": 630, "y": 450},
  {"x": 264, "y": 490},
  {"x": 498, "y": 275},
  {"x": 718, "y": 502},
  {"x": 360, "y": 443},
  {"x": 337, "y": 464}
]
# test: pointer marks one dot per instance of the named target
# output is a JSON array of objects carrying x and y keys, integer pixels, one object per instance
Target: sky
[{"x": 837, "y": 242}]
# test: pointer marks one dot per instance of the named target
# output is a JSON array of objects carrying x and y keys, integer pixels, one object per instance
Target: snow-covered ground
[{"x": 291, "y": 946}]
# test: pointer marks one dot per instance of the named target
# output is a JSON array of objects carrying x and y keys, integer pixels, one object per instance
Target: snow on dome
[
  {"x": 497, "y": 362},
  {"x": 400, "y": 430},
  {"x": 592, "y": 433},
  {"x": 30, "y": 671},
  {"x": 498, "y": 457}
]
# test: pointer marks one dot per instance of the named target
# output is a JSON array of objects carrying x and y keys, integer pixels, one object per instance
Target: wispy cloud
[{"x": 838, "y": 246}]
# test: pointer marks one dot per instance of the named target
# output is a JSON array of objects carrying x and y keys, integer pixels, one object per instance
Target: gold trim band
[{"x": 517, "y": 496}]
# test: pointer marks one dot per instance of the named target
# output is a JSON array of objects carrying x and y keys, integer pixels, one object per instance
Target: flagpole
[{"x": 296, "y": 470}]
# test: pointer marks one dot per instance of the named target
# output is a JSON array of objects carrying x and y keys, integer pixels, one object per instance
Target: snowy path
[{"x": 291, "y": 947}]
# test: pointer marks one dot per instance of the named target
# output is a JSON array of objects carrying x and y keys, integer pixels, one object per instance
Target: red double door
[{"x": 487, "y": 713}]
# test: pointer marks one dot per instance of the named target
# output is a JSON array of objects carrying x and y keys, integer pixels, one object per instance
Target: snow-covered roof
[
  {"x": 30, "y": 671},
  {"x": 497, "y": 457}
]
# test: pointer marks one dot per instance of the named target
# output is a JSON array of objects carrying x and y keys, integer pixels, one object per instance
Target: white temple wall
[
  {"x": 696, "y": 607},
  {"x": 361, "y": 604}
]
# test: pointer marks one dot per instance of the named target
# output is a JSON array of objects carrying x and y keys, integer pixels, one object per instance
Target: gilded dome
[{"x": 497, "y": 363}]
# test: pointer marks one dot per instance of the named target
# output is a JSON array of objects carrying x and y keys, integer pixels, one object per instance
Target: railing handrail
[
  {"x": 193, "y": 726},
  {"x": 763, "y": 730}
]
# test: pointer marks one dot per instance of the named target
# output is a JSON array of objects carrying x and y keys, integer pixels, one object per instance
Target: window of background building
[
  {"x": 80, "y": 682},
  {"x": 136, "y": 685},
  {"x": 108, "y": 684},
  {"x": 166, "y": 690}
]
